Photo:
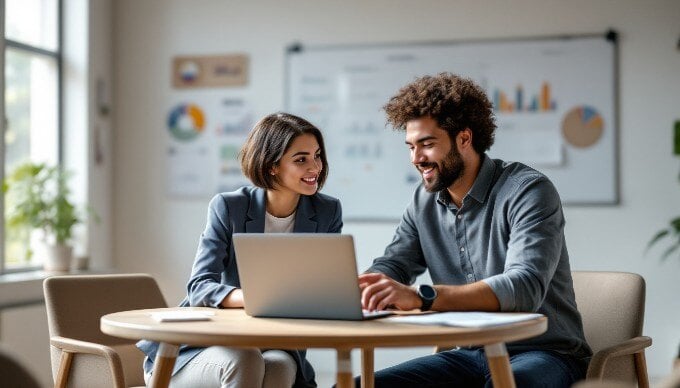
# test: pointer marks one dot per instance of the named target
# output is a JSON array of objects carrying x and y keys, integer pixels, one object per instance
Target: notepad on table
[
  {"x": 182, "y": 316},
  {"x": 466, "y": 318}
]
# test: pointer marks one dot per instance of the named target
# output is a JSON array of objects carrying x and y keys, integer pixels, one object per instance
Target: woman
[{"x": 285, "y": 158}]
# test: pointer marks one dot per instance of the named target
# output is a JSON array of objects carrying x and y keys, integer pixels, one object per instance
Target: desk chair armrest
[
  {"x": 77, "y": 346},
  {"x": 70, "y": 346},
  {"x": 630, "y": 347}
]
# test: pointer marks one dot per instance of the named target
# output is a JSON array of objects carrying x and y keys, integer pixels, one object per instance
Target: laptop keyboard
[{"x": 375, "y": 313}]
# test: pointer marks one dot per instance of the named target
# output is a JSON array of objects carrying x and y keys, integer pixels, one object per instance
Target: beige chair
[
  {"x": 612, "y": 305},
  {"x": 672, "y": 381},
  {"x": 13, "y": 374},
  {"x": 82, "y": 356}
]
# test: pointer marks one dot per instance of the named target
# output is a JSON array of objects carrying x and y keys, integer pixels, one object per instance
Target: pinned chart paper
[
  {"x": 466, "y": 319},
  {"x": 182, "y": 316}
]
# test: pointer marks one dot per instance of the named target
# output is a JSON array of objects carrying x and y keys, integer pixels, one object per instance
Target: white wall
[
  {"x": 100, "y": 143},
  {"x": 155, "y": 234}
]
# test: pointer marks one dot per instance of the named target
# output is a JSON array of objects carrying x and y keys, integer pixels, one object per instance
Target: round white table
[{"x": 232, "y": 327}]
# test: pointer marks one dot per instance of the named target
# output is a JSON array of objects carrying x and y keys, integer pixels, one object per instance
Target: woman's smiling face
[{"x": 299, "y": 168}]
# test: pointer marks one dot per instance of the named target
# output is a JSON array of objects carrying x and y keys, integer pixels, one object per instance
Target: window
[{"x": 32, "y": 92}]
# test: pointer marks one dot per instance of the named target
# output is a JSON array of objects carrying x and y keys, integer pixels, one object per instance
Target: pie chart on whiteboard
[
  {"x": 186, "y": 121},
  {"x": 582, "y": 126}
]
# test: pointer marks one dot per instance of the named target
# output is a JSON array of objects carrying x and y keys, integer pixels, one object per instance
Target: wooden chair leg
[
  {"x": 64, "y": 369},
  {"x": 641, "y": 369}
]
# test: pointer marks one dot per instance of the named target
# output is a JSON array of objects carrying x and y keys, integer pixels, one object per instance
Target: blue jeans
[{"x": 469, "y": 368}]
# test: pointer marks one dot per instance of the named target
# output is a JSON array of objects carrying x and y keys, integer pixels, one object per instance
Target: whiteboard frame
[{"x": 610, "y": 35}]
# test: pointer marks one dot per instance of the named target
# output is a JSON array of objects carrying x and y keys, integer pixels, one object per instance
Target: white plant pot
[{"x": 57, "y": 257}]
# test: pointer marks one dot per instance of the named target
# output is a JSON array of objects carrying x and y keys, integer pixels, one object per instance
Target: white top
[{"x": 278, "y": 225}]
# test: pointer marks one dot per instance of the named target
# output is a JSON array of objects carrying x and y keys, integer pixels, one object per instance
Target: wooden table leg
[
  {"x": 162, "y": 366},
  {"x": 344, "y": 377},
  {"x": 367, "y": 367},
  {"x": 499, "y": 365}
]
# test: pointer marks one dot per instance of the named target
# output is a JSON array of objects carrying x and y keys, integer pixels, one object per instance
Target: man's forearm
[{"x": 477, "y": 296}]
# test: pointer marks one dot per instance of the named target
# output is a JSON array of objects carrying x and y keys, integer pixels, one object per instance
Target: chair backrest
[
  {"x": 612, "y": 306},
  {"x": 75, "y": 304}
]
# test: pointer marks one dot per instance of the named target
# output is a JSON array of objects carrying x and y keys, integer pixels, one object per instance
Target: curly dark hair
[{"x": 454, "y": 102}]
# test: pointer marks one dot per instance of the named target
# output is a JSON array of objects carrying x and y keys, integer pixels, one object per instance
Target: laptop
[{"x": 299, "y": 275}]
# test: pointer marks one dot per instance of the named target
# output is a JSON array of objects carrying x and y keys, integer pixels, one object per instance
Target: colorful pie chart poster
[
  {"x": 189, "y": 154},
  {"x": 204, "y": 137},
  {"x": 186, "y": 122},
  {"x": 582, "y": 127}
]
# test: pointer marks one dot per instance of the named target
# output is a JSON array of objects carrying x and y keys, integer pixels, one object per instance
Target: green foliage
[
  {"x": 671, "y": 232},
  {"x": 37, "y": 197}
]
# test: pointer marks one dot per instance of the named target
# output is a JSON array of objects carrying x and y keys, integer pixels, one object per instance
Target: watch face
[{"x": 427, "y": 292}]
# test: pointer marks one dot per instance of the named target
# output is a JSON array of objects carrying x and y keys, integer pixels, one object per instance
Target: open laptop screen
[{"x": 298, "y": 275}]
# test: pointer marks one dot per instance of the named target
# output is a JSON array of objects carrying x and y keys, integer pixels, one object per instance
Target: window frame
[{"x": 57, "y": 56}]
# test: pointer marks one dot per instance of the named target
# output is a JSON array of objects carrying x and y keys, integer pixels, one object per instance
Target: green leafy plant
[
  {"x": 37, "y": 197},
  {"x": 671, "y": 232}
]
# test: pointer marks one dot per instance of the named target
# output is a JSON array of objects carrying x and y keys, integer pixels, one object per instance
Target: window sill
[{"x": 25, "y": 288}]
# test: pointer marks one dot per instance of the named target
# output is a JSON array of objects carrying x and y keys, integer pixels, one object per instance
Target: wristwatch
[{"x": 427, "y": 295}]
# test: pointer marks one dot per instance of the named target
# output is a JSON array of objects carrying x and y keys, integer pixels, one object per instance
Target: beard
[{"x": 448, "y": 171}]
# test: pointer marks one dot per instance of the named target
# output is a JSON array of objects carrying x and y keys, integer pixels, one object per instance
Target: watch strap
[{"x": 427, "y": 304}]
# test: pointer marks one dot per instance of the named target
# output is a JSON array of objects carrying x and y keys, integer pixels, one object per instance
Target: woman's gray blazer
[{"x": 214, "y": 274}]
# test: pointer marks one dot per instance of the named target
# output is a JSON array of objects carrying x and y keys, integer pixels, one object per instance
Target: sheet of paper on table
[
  {"x": 466, "y": 318},
  {"x": 181, "y": 316}
]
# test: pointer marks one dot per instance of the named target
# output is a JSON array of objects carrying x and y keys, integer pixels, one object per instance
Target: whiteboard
[{"x": 554, "y": 103}]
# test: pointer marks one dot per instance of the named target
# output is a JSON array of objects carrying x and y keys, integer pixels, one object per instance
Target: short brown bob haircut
[
  {"x": 454, "y": 102},
  {"x": 269, "y": 140}
]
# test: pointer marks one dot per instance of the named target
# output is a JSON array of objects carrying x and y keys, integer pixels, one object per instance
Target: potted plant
[
  {"x": 37, "y": 198},
  {"x": 672, "y": 230}
]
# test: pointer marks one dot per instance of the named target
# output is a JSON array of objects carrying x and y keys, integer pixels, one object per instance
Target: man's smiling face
[{"x": 433, "y": 153}]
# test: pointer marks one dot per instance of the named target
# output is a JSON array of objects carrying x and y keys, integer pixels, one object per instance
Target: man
[{"x": 491, "y": 234}]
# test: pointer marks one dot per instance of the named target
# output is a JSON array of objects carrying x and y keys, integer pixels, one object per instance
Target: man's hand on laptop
[{"x": 380, "y": 292}]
